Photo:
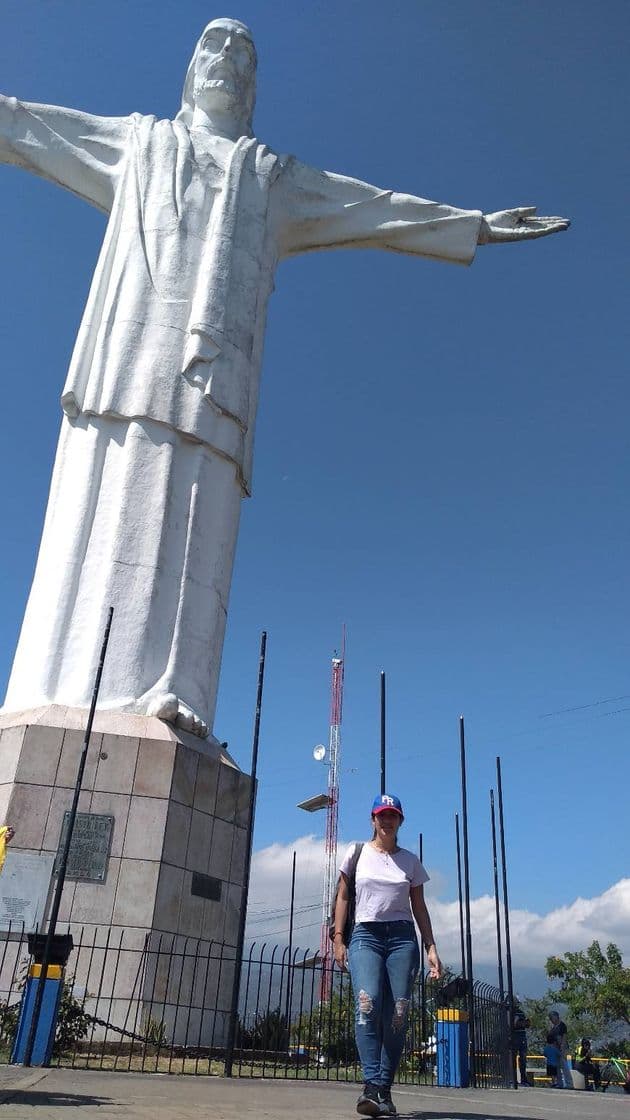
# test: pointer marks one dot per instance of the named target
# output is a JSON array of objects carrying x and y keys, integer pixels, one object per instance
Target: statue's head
[{"x": 222, "y": 73}]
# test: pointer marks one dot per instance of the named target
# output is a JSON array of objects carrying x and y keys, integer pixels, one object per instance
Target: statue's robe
[{"x": 155, "y": 450}]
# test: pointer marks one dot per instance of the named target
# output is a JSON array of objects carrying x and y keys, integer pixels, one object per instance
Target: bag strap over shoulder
[{"x": 352, "y": 870}]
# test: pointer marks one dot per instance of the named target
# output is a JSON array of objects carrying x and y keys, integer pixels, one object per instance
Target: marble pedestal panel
[{"x": 152, "y": 945}]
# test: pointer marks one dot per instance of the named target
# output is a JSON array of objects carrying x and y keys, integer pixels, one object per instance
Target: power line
[
  {"x": 273, "y": 916},
  {"x": 277, "y": 932},
  {"x": 582, "y": 707},
  {"x": 307, "y": 904}
]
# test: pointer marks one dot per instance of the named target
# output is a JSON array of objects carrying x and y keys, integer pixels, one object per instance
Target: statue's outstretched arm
[
  {"x": 79, "y": 151},
  {"x": 319, "y": 210}
]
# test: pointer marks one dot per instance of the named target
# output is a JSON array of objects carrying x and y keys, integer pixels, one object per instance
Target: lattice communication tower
[{"x": 332, "y": 818}]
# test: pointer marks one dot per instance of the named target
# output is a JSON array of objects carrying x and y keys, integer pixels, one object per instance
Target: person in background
[
  {"x": 552, "y": 1058},
  {"x": 558, "y": 1035},
  {"x": 383, "y": 955},
  {"x": 583, "y": 1062},
  {"x": 520, "y": 1025},
  {"x": 6, "y": 835}
]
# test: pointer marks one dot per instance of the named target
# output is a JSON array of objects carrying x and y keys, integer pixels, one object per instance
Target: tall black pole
[
  {"x": 469, "y": 963},
  {"x": 382, "y": 732},
  {"x": 63, "y": 863},
  {"x": 423, "y": 979},
  {"x": 506, "y": 918},
  {"x": 290, "y": 970},
  {"x": 460, "y": 896},
  {"x": 240, "y": 940},
  {"x": 496, "y": 893}
]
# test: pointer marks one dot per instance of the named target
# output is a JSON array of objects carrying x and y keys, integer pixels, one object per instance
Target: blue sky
[{"x": 441, "y": 453}]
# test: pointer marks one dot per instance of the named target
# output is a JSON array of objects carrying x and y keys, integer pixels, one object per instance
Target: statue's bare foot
[{"x": 167, "y": 706}]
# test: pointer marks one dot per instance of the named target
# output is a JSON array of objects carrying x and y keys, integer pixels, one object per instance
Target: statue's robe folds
[{"x": 155, "y": 450}]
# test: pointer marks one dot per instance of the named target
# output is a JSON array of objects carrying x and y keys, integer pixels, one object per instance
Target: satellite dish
[{"x": 319, "y": 752}]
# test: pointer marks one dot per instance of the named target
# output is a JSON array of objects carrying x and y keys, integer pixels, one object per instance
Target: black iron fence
[
  {"x": 161, "y": 1003},
  {"x": 491, "y": 1063}
]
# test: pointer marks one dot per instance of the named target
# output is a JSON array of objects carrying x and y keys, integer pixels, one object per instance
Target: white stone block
[
  {"x": 116, "y": 763},
  {"x": 199, "y": 842},
  {"x": 168, "y": 898},
  {"x": 94, "y": 902},
  {"x": 184, "y": 775},
  {"x": 154, "y": 768},
  {"x": 146, "y": 826},
  {"x": 115, "y": 805},
  {"x": 206, "y": 785},
  {"x": 221, "y": 851},
  {"x": 227, "y": 793},
  {"x": 11, "y": 739},
  {"x": 176, "y": 834},
  {"x": 70, "y": 756},
  {"x": 39, "y": 757},
  {"x": 191, "y": 912},
  {"x": 239, "y": 851},
  {"x": 135, "y": 895},
  {"x": 60, "y": 803},
  {"x": 29, "y": 807}
]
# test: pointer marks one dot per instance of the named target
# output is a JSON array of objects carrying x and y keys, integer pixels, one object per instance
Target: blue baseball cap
[{"x": 387, "y": 801}]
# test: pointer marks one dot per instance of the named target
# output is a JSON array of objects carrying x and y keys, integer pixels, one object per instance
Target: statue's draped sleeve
[
  {"x": 79, "y": 151},
  {"x": 321, "y": 210}
]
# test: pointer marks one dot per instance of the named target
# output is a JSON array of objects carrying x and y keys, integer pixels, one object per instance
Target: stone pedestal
[{"x": 159, "y": 933}]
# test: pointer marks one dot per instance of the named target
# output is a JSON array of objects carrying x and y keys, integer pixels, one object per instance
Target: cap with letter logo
[{"x": 386, "y": 801}]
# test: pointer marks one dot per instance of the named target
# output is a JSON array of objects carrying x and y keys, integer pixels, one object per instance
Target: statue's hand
[{"x": 518, "y": 225}]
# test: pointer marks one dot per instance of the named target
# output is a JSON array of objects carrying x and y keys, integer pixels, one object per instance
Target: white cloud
[{"x": 534, "y": 936}]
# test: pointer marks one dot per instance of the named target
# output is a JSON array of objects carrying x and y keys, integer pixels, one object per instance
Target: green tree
[
  {"x": 594, "y": 986},
  {"x": 329, "y": 1028}
]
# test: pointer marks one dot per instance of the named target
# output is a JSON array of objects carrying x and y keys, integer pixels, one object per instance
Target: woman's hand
[
  {"x": 341, "y": 953},
  {"x": 434, "y": 962}
]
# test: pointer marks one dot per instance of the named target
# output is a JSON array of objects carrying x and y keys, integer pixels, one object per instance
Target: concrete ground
[{"x": 37, "y": 1094}]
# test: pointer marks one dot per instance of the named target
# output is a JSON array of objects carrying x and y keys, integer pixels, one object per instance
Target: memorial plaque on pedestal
[
  {"x": 24, "y": 885},
  {"x": 89, "y": 848}
]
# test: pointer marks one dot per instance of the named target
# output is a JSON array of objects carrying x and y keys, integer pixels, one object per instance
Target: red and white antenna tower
[{"x": 332, "y": 817}]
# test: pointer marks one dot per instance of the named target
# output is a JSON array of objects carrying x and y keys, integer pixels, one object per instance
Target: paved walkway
[{"x": 36, "y": 1094}]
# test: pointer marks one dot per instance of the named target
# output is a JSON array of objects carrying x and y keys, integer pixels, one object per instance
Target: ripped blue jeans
[{"x": 383, "y": 958}]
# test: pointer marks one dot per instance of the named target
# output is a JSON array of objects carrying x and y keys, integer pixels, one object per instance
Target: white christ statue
[{"x": 159, "y": 405}]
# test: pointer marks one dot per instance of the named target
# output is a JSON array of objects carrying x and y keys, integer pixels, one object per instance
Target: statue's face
[{"x": 225, "y": 69}]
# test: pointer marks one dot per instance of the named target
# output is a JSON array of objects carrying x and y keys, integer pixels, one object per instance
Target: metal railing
[
  {"x": 161, "y": 1003},
  {"x": 492, "y": 1060}
]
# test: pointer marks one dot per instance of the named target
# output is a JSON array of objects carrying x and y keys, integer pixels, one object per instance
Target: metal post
[
  {"x": 240, "y": 941},
  {"x": 496, "y": 893},
  {"x": 460, "y": 896},
  {"x": 61, "y": 874},
  {"x": 423, "y": 979},
  {"x": 290, "y": 973},
  {"x": 469, "y": 964},
  {"x": 506, "y": 916},
  {"x": 382, "y": 732}
]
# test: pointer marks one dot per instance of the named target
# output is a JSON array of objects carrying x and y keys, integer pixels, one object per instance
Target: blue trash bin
[
  {"x": 452, "y": 1048},
  {"x": 45, "y": 1034}
]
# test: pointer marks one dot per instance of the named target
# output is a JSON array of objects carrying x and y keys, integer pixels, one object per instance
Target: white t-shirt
[{"x": 383, "y": 882}]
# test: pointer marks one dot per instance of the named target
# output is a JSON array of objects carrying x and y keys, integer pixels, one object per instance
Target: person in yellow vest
[
  {"x": 583, "y": 1061},
  {"x": 6, "y": 835}
]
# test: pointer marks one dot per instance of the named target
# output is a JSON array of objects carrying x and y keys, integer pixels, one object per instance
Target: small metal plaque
[
  {"x": 205, "y": 886},
  {"x": 89, "y": 848}
]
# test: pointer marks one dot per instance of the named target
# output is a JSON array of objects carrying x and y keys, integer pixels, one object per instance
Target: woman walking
[{"x": 383, "y": 955}]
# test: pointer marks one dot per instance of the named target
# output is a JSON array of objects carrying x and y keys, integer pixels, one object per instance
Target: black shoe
[
  {"x": 368, "y": 1103},
  {"x": 388, "y": 1108}
]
